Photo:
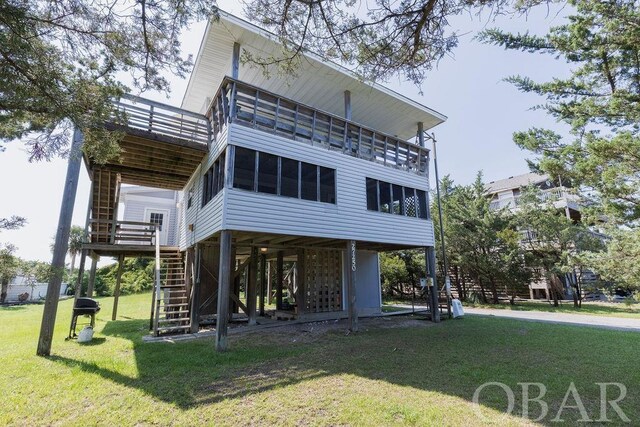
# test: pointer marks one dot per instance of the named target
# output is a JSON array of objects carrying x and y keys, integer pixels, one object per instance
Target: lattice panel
[{"x": 323, "y": 280}]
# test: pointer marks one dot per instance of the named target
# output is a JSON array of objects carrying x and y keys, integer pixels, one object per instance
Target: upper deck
[{"x": 253, "y": 107}]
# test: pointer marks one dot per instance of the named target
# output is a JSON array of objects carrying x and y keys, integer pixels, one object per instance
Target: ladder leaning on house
[{"x": 171, "y": 312}]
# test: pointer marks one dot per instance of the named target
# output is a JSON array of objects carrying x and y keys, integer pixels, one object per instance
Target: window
[
  {"x": 422, "y": 204},
  {"x": 309, "y": 178},
  {"x": 282, "y": 176},
  {"x": 268, "y": 173},
  {"x": 397, "y": 203},
  {"x": 244, "y": 169},
  {"x": 372, "y": 194},
  {"x": 289, "y": 177},
  {"x": 392, "y": 198},
  {"x": 410, "y": 202},
  {"x": 190, "y": 197},
  {"x": 327, "y": 185},
  {"x": 156, "y": 218},
  {"x": 212, "y": 181},
  {"x": 385, "y": 196}
]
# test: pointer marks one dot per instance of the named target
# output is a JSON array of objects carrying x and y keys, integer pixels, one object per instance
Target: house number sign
[{"x": 353, "y": 255}]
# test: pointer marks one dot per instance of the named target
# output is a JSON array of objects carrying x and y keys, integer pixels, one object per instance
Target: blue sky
[{"x": 467, "y": 87}]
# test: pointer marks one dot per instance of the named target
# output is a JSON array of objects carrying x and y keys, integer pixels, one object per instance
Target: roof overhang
[{"x": 317, "y": 82}]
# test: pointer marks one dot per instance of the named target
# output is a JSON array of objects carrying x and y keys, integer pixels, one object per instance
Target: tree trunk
[
  {"x": 494, "y": 291},
  {"x": 3, "y": 292},
  {"x": 482, "y": 291}
]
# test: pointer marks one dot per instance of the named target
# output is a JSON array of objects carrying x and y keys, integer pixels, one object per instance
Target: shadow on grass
[{"x": 453, "y": 358}]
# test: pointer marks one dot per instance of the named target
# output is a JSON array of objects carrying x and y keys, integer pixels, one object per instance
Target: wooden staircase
[
  {"x": 172, "y": 299},
  {"x": 104, "y": 203}
]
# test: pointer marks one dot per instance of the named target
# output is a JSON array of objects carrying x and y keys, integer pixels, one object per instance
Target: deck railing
[
  {"x": 161, "y": 119},
  {"x": 248, "y": 105},
  {"x": 121, "y": 232}
]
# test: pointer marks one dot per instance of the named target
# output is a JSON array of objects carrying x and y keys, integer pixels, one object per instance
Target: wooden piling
[
  {"x": 351, "y": 268},
  {"x": 61, "y": 246},
  {"x": 252, "y": 286},
  {"x": 224, "y": 286},
  {"x": 116, "y": 293}
]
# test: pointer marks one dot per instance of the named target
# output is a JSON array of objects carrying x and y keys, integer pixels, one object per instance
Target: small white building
[{"x": 24, "y": 289}]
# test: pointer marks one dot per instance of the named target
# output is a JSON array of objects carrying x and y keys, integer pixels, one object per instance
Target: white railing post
[{"x": 157, "y": 272}]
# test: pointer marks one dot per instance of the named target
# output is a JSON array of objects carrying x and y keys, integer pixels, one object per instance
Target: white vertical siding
[
  {"x": 207, "y": 219},
  {"x": 348, "y": 219},
  {"x": 134, "y": 211}
]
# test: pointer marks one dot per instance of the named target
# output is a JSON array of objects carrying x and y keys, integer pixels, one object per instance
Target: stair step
[
  {"x": 173, "y": 328},
  {"x": 179, "y": 320},
  {"x": 176, "y": 319},
  {"x": 180, "y": 304}
]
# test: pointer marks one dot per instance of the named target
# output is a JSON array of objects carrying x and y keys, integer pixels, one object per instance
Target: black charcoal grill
[{"x": 83, "y": 307}]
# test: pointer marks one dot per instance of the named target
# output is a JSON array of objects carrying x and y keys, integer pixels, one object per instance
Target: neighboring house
[
  {"x": 152, "y": 205},
  {"x": 505, "y": 193},
  {"x": 300, "y": 179},
  {"x": 22, "y": 289}
]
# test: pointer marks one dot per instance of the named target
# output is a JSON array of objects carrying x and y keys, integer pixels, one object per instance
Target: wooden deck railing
[
  {"x": 248, "y": 105},
  {"x": 150, "y": 116},
  {"x": 121, "y": 232}
]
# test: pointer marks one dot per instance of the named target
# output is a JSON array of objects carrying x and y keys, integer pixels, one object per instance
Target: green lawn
[{"x": 395, "y": 371}]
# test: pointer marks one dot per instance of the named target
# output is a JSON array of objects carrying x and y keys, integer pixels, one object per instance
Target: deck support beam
[
  {"x": 61, "y": 246},
  {"x": 269, "y": 284},
  {"x": 92, "y": 275},
  {"x": 263, "y": 282},
  {"x": 116, "y": 293},
  {"x": 224, "y": 287},
  {"x": 279, "y": 279},
  {"x": 252, "y": 286},
  {"x": 351, "y": 268}
]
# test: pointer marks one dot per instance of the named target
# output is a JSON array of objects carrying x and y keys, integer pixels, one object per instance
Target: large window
[
  {"x": 282, "y": 176},
  {"x": 268, "y": 173},
  {"x": 212, "y": 181},
  {"x": 289, "y": 177},
  {"x": 244, "y": 169},
  {"x": 309, "y": 179},
  {"x": 396, "y": 199}
]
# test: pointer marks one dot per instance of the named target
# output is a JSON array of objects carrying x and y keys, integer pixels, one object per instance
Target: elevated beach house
[{"x": 290, "y": 186}]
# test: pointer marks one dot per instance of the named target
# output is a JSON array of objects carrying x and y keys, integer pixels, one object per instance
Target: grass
[{"x": 394, "y": 371}]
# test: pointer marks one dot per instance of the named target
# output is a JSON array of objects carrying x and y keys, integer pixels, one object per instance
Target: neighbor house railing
[
  {"x": 121, "y": 232},
  {"x": 250, "y": 106},
  {"x": 552, "y": 195},
  {"x": 161, "y": 119}
]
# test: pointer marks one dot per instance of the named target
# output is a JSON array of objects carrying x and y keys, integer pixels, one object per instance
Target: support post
[
  {"x": 351, "y": 268},
  {"x": 263, "y": 282},
  {"x": 224, "y": 286},
  {"x": 279, "y": 279},
  {"x": 61, "y": 245},
  {"x": 116, "y": 293},
  {"x": 92, "y": 275},
  {"x": 235, "y": 61},
  {"x": 301, "y": 290},
  {"x": 195, "y": 291},
  {"x": 269, "y": 284},
  {"x": 430, "y": 261},
  {"x": 347, "y": 105},
  {"x": 252, "y": 286}
]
